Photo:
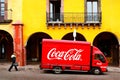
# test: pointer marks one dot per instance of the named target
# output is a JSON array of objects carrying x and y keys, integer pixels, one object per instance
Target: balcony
[
  {"x": 6, "y": 16},
  {"x": 74, "y": 19}
]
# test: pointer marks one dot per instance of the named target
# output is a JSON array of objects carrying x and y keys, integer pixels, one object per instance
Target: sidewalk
[
  {"x": 113, "y": 69},
  {"x": 5, "y": 66}
]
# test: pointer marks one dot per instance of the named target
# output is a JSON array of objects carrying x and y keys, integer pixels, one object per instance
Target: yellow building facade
[{"x": 95, "y": 21}]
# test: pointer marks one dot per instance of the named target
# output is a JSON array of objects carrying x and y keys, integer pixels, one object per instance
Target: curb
[{"x": 114, "y": 69}]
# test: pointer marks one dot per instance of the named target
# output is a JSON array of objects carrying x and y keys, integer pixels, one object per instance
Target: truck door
[
  {"x": 99, "y": 61},
  {"x": 100, "y": 57}
]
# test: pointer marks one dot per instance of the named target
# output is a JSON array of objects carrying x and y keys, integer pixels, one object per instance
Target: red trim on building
[{"x": 18, "y": 43}]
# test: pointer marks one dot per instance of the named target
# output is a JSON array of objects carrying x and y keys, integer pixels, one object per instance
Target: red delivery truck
[{"x": 66, "y": 55}]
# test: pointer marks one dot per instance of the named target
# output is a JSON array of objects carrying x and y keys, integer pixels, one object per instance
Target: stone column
[{"x": 18, "y": 43}]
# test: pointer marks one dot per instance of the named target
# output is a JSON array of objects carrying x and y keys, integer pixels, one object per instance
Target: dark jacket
[{"x": 13, "y": 59}]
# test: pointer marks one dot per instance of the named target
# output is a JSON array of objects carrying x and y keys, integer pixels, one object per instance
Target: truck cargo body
[{"x": 61, "y": 55}]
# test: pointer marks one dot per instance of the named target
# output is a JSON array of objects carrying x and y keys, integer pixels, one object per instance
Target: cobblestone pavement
[{"x": 5, "y": 66}]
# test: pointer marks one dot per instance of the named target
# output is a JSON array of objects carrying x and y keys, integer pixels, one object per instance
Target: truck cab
[{"x": 99, "y": 62}]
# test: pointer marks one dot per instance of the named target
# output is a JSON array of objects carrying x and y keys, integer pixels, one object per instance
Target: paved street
[
  {"x": 40, "y": 75},
  {"x": 32, "y": 72}
]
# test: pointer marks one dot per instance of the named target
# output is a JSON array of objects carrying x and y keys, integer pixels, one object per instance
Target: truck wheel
[
  {"x": 57, "y": 70},
  {"x": 96, "y": 71}
]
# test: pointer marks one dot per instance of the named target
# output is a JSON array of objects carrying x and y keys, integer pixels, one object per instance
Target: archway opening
[
  {"x": 108, "y": 44},
  {"x": 6, "y": 46},
  {"x": 69, "y": 36},
  {"x": 34, "y": 47}
]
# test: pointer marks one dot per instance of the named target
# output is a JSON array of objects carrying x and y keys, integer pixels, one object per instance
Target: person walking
[{"x": 13, "y": 58}]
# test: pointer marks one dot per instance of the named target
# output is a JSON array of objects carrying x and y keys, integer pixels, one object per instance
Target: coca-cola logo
[{"x": 71, "y": 54}]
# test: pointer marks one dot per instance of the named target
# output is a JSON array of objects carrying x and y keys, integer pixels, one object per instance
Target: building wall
[
  {"x": 34, "y": 19},
  {"x": 7, "y": 30},
  {"x": 16, "y": 15},
  {"x": 110, "y": 16},
  {"x": 16, "y": 6},
  {"x": 32, "y": 14}
]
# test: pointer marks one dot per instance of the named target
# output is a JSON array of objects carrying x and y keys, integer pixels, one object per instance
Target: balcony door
[
  {"x": 92, "y": 14},
  {"x": 55, "y": 8}
]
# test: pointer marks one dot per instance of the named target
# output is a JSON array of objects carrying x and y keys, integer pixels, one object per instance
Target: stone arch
[
  {"x": 6, "y": 46},
  {"x": 108, "y": 44},
  {"x": 69, "y": 36},
  {"x": 34, "y": 46}
]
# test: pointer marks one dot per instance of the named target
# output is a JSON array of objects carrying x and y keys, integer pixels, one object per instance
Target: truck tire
[
  {"x": 96, "y": 71},
  {"x": 57, "y": 70}
]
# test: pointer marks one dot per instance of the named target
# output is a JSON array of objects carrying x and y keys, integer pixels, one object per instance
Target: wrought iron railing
[
  {"x": 6, "y": 16},
  {"x": 93, "y": 17},
  {"x": 70, "y": 17}
]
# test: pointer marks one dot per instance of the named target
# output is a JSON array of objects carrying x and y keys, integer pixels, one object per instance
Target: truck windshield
[{"x": 100, "y": 57}]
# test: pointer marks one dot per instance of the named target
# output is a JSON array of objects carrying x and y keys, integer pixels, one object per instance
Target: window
[
  {"x": 2, "y": 51},
  {"x": 99, "y": 57},
  {"x": 54, "y": 9},
  {"x": 2, "y": 9},
  {"x": 92, "y": 11},
  {"x": 5, "y": 14}
]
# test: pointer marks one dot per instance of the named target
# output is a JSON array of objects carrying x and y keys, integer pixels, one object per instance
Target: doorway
[
  {"x": 108, "y": 44},
  {"x": 6, "y": 46},
  {"x": 34, "y": 47}
]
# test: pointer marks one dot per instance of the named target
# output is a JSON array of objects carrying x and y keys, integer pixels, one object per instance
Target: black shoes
[{"x": 9, "y": 70}]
